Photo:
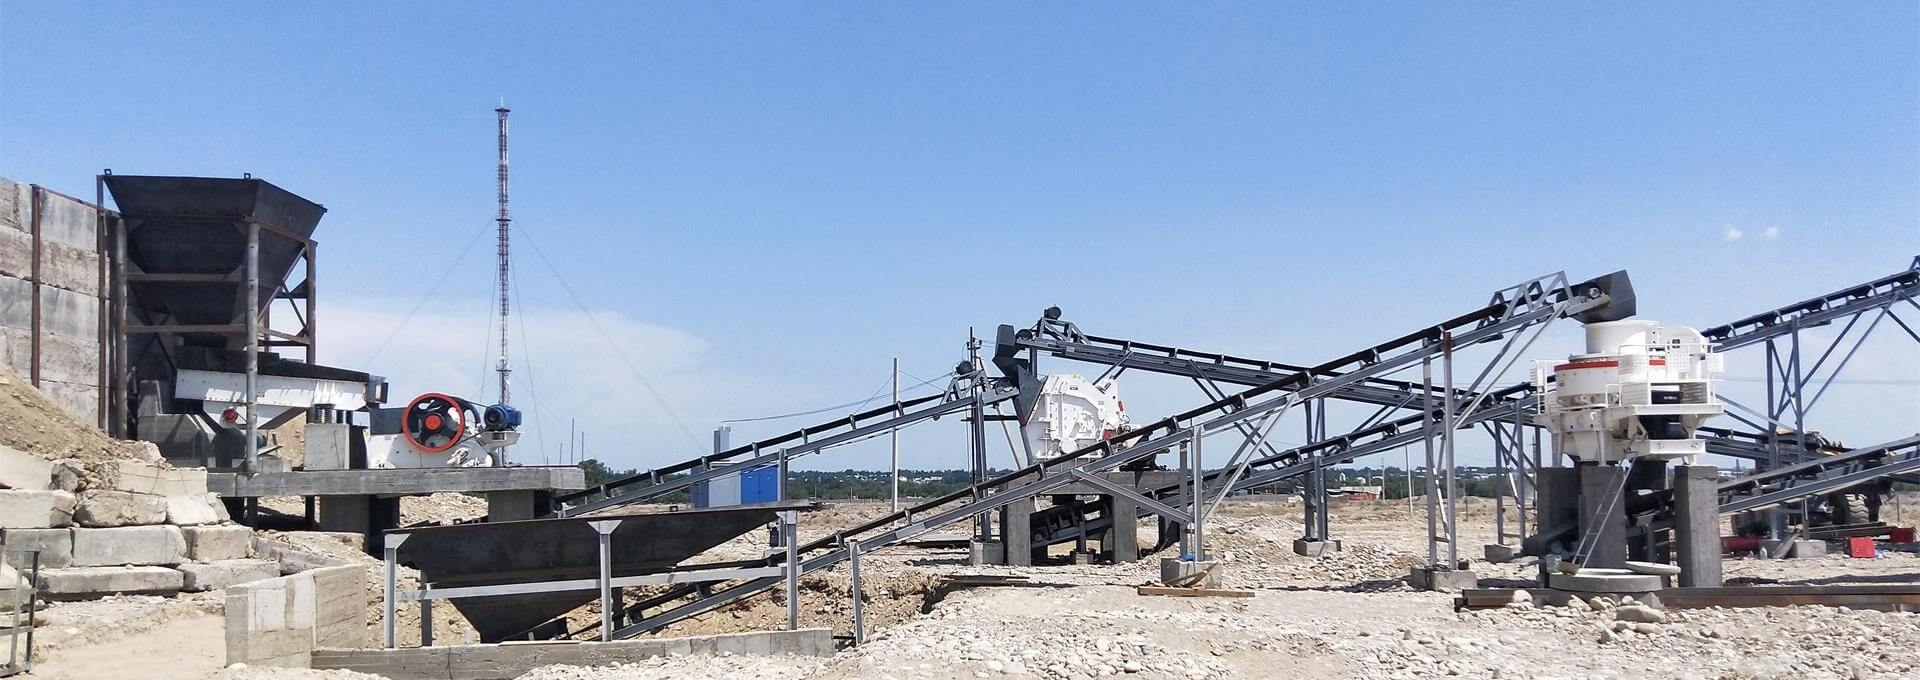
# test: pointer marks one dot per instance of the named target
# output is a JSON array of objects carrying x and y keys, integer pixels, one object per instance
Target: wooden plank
[{"x": 1170, "y": 591}]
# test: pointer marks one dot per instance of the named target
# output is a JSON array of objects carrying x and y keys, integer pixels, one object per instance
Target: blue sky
[{"x": 762, "y": 203}]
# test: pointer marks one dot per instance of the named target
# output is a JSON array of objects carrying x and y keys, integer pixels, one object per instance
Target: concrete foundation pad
[
  {"x": 23, "y": 509},
  {"x": 218, "y": 542},
  {"x": 160, "y": 545},
  {"x": 1442, "y": 580},
  {"x": 1314, "y": 548},
  {"x": 506, "y": 661},
  {"x": 1181, "y": 573},
  {"x": 213, "y": 575},
  {"x": 82, "y": 583},
  {"x": 1597, "y": 580},
  {"x": 1496, "y": 552},
  {"x": 54, "y": 545}
]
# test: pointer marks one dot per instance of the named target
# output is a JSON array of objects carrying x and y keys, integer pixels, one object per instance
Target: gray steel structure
[
  {"x": 1533, "y": 303},
  {"x": 197, "y": 264},
  {"x": 1504, "y": 411},
  {"x": 1793, "y": 387}
]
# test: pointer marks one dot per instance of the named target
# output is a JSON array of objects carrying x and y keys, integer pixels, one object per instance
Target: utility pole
[{"x": 895, "y": 435}]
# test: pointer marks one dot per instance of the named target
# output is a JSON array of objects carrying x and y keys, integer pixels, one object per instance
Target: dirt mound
[{"x": 32, "y": 423}]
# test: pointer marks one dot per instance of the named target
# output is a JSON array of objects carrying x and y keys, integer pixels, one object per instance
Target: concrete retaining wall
[
  {"x": 68, "y": 289},
  {"x": 502, "y": 662},
  {"x": 280, "y": 621}
]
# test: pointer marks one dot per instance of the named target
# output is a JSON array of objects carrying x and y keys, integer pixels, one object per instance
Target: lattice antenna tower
[{"x": 505, "y": 219}]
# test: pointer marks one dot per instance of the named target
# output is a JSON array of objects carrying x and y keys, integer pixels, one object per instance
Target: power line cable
[
  {"x": 836, "y": 407},
  {"x": 639, "y": 377},
  {"x": 422, "y": 302},
  {"x": 526, "y": 360}
]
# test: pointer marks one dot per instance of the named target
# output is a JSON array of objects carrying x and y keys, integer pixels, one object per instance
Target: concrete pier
[{"x": 1696, "y": 525}]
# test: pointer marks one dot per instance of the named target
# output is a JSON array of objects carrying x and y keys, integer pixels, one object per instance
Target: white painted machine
[
  {"x": 1640, "y": 391},
  {"x": 1070, "y": 414},
  {"x": 439, "y": 430}
]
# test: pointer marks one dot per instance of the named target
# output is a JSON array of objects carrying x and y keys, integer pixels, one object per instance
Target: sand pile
[{"x": 30, "y": 422}]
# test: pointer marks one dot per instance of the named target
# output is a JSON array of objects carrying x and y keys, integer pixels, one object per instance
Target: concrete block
[
  {"x": 326, "y": 446},
  {"x": 292, "y": 561},
  {"x": 54, "y": 545},
  {"x": 80, "y": 401},
  {"x": 219, "y": 507},
  {"x": 204, "y": 576},
  {"x": 15, "y": 200},
  {"x": 68, "y": 314},
  {"x": 16, "y": 253},
  {"x": 219, "y": 542},
  {"x": 89, "y": 582},
  {"x": 106, "y": 508},
  {"x": 1442, "y": 580},
  {"x": 22, "y": 470},
  {"x": 505, "y": 506},
  {"x": 1496, "y": 552},
  {"x": 22, "y": 509},
  {"x": 161, "y": 545},
  {"x": 68, "y": 222},
  {"x": 1190, "y": 573},
  {"x": 1804, "y": 549},
  {"x": 1312, "y": 548},
  {"x": 16, "y": 346},
  {"x": 70, "y": 268},
  {"x": 986, "y": 552},
  {"x": 16, "y": 304},
  {"x": 140, "y": 477},
  {"x": 70, "y": 361},
  {"x": 192, "y": 510}
]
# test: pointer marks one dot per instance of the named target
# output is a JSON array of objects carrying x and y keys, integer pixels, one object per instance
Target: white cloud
[
  {"x": 1731, "y": 233},
  {"x": 1770, "y": 233},
  {"x": 566, "y": 363}
]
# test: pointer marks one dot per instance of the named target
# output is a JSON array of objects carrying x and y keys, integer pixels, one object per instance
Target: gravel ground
[{"x": 1343, "y": 615}]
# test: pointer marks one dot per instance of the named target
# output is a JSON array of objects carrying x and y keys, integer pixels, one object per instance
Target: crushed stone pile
[{"x": 32, "y": 423}]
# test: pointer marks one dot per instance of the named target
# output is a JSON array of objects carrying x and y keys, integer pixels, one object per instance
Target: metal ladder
[{"x": 1590, "y": 537}]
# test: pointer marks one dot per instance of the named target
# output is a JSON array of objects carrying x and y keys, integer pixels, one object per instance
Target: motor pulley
[{"x": 434, "y": 422}]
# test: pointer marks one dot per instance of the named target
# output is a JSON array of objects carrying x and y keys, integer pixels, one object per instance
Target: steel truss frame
[
  {"x": 1534, "y": 302},
  {"x": 1507, "y": 408}
]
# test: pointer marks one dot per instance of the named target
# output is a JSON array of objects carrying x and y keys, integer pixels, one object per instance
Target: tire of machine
[{"x": 1847, "y": 508}]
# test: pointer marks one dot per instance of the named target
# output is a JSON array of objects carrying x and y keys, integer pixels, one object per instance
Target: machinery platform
[{"x": 397, "y": 482}]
